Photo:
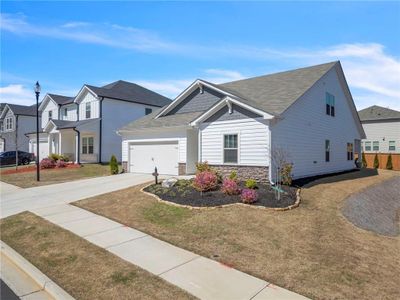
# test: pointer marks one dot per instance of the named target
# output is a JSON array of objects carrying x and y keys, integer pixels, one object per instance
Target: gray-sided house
[
  {"x": 84, "y": 127},
  {"x": 15, "y": 122},
  {"x": 306, "y": 115}
]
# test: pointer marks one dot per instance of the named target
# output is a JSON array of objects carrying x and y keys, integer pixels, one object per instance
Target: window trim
[
  {"x": 368, "y": 144},
  {"x": 88, "y": 109},
  {"x": 350, "y": 154},
  {"x": 327, "y": 150},
  {"x": 237, "y": 148},
  {"x": 330, "y": 104},
  {"x": 87, "y": 146},
  {"x": 394, "y": 145},
  {"x": 65, "y": 112},
  {"x": 9, "y": 126},
  {"x": 373, "y": 146},
  {"x": 50, "y": 115}
]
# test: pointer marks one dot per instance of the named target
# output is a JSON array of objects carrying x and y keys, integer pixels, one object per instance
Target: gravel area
[{"x": 376, "y": 208}]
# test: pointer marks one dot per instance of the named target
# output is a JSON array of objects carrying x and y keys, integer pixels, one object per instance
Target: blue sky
[{"x": 166, "y": 45}]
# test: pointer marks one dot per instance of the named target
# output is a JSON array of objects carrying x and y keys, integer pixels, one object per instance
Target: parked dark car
[{"x": 9, "y": 158}]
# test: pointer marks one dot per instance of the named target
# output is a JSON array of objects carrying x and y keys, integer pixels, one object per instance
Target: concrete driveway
[{"x": 16, "y": 200}]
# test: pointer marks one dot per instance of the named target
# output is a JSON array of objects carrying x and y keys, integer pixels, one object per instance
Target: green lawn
[{"x": 51, "y": 176}]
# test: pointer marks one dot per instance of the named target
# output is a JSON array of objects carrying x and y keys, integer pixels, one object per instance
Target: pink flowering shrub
[
  {"x": 47, "y": 163},
  {"x": 230, "y": 187},
  {"x": 61, "y": 164},
  {"x": 205, "y": 181},
  {"x": 249, "y": 196}
]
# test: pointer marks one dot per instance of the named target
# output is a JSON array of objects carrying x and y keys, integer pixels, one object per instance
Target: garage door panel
[
  {"x": 43, "y": 149},
  {"x": 144, "y": 157}
]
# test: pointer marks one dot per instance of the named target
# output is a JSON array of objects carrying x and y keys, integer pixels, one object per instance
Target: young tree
[
  {"x": 389, "y": 164},
  {"x": 376, "y": 161},
  {"x": 364, "y": 161},
  {"x": 113, "y": 165}
]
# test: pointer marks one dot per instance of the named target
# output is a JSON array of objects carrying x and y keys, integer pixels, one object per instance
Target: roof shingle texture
[
  {"x": 61, "y": 100},
  {"x": 63, "y": 124},
  {"x": 131, "y": 92},
  {"x": 375, "y": 113},
  {"x": 23, "y": 109}
]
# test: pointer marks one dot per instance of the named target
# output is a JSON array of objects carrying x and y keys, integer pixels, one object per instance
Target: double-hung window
[
  {"x": 65, "y": 113},
  {"x": 9, "y": 123},
  {"x": 367, "y": 146},
  {"x": 349, "y": 151},
  {"x": 88, "y": 108},
  {"x": 392, "y": 145},
  {"x": 87, "y": 145},
  {"x": 330, "y": 104},
  {"x": 231, "y": 148},
  {"x": 327, "y": 150},
  {"x": 375, "y": 145},
  {"x": 50, "y": 114}
]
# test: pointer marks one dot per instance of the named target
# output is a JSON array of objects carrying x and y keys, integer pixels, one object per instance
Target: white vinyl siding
[
  {"x": 69, "y": 112},
  {"x": 253, "y": 141},
  {"x": 89, "y": 100},
  {"x": 384, "y": 132},
  {"x": 50, "y": 106}
]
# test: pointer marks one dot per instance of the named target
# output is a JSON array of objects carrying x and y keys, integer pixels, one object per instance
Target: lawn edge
[
  {"x": 38, "y": 276},
  {"x": 290, "y": 207}
]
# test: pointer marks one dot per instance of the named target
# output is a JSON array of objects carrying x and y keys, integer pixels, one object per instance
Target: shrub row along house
[
  {"x": 305, "y": 117},
  {"x": 83, "y": 127},
  {"x": 382, "y": 129}
]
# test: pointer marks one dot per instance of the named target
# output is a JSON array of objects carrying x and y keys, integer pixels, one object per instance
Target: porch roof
[{"x": 63, "y": 124}]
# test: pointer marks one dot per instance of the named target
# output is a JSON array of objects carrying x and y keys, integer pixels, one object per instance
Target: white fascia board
[
  {"x": 46, "y": 99},
  {"x": 81, "y": 91},
  {"x": 50, "y": 122},
  {"x": 154, "y": 129},
  {"x": 224, "y": 102},
  {"x": 5, "y": 110},
  {"x": 188, "y": 90}
]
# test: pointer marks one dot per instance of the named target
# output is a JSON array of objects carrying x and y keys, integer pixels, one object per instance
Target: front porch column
[
  {"x": 77, "y": 150},
  {"x": 59, "y": 143},
  {"x": 50, "y": 141}
]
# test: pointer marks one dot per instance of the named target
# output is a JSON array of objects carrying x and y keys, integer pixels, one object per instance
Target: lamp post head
[{"x": 37, "y": 87}]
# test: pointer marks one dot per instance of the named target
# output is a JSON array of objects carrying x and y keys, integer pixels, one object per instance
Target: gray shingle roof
[
  {"x": 131, "y": 92},
  {"x": 375, "y": 113},
  {"x": 272, "y": 93},
  {"x": 61, "y": 100},
  {"x": 23, "y": 109},
  {"x": 62, "y": 124}
]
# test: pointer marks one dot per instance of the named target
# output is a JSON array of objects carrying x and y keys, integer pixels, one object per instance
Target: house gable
[
  {"x": 198, "y": 100},
  {"x": 236, "y": 113}
]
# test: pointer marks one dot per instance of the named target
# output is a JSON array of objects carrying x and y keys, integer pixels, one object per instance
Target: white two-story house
[{"x": 84, "y": 127}]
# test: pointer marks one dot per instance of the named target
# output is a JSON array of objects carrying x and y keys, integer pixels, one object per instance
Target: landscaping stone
[{"x": 170, "y": 182}]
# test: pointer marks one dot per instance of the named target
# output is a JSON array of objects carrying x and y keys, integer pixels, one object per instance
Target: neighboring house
[
  {"x": 307, "y": 115},
  {"x": 382, "y": 129},
  {"x": 84, "y": 127},
  {"x": 15, "y": 122}
]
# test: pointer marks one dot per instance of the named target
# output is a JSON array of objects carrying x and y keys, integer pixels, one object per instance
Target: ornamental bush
[
  {"x": 203, "y": 167},
  {"x": 286, "y": 174},
  {"x": 376, "y": 162},
  {"x": 64, "y": 158},
  {"x": 205, "y": 181},
  {"x": 364, "y": 160},
  {"x": 113, "y": 165},
  {"x": 233, "y": 175},
  {"x": 251, "y": 184},
  {"x": 54, "y": 156},
  {"x": 61, "y": 164},
  {"x": 230, "y": 187},
  {"x": 47, "y": 163},
  {"x": 389, "y": 164},
  {"x": 249, "y": 196}
]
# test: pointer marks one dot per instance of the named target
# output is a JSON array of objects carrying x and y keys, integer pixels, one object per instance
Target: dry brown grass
[
  {"x": 51, "y": 176},
  {"x": 81, "y": 268},
  {"x": 312, "y": 250}
]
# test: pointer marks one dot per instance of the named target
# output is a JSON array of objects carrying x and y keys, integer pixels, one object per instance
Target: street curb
[{"x": 42, "y": 280}]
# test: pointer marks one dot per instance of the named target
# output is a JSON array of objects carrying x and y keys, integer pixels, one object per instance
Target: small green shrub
[
  {"x": 113, "y": 165},
  {"x": 376, "y": 162},
  {"x": 203, "y": 167},
  {"x": 54, "y": 156},
  {"x": 389, "y": 164},
  {"x": 64, "y": 158},
  {"x": 233, "y": 176},
  {"x": 286, "y": 174},
  {"x": 364, "y": 160},
  {"x": 251, "y": 184}
]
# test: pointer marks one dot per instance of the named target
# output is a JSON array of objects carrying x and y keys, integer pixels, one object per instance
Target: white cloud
[
  {"x": 75, "y": 24},
  {"x": 17, "y": 94}
]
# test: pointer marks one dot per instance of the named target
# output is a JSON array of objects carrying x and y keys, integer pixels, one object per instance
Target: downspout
[
  {"x": 16, "y": 142},
  {"x": 101, "y": 127},
  {"x": 78, "y": 156}
]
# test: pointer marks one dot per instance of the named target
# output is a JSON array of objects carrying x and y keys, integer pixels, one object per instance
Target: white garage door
[
  {"x": 143, "y": 157},
  {"x": 43, "y": 149}
]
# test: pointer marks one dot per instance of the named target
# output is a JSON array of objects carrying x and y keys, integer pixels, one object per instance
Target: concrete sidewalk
[
  {"x": 200, "y": 276},
  {"x": 15, "y": 200}
]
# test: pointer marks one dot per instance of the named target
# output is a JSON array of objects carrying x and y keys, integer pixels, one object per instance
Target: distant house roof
[
  {"x": 272, "y": 93},
  {"x": 24, "y": 110},
  {"x": 61, "y": 100},
  {"x": 128, "y": 91},
  {"x": 376, "y": 113}
]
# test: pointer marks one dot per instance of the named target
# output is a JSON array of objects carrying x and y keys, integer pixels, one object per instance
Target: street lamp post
[{"x": 37, "y": 92}]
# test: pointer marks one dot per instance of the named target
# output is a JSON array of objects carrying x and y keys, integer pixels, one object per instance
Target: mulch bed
[
  {"x": 33, "y": 169},
  {"x": 185, "y": 194}
]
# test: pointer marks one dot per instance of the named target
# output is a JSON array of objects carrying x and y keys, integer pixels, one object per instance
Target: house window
[
  {"x": 230, "y": 148},
  {"x": 392, "y": 145},
  {"x": 327, "y": 150},
  {"x": 330, "y": 104},
  {"x": 349, "y": 151},
  {"x": 50, "y": 114},
  {"x": 375, "y": 146},
  {"x": 9, "y": 123},
  {"x": 65, "y": 112},
  {"x": 148, "y": 111},
  {"x": 88, "y": 108},
  {"x": 87, "y": 145},
  {"x": 367, "y": 146},
  {"x": 1, "y": 126}
]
